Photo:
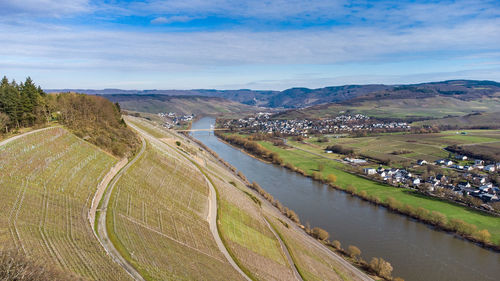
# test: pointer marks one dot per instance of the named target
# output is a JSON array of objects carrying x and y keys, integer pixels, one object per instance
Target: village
[
  {"x": 462, "y": 184},
  {"x": 172, "y": 119},
  {"x": 263, "y": 123}
]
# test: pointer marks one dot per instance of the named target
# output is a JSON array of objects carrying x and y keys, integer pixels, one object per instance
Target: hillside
[
  {"x": 414, "y": 108},
  {"x": 301, "y": 97},
  {"x": 199, "y": 105}
]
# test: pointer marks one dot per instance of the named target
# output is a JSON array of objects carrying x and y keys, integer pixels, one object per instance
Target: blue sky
[{"x": 224, "y": 44}]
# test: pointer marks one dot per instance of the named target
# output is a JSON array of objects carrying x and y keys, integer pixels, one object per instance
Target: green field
[
  {"x": 309, "y": 163},
  {"x": 48, "y": 180},
  {"x": 429, "y": 147}
]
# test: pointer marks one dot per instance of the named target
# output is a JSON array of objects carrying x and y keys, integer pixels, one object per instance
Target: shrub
[
  {"x": 336, "y": 244},
  {"x": 381, "y": 267},
  {"x": 316, "y": 175},
  {"x": 438, "y": 218},
  {"x": 350, "y": 189},
  {"x": 178, "y": 143},
  {"x": 483, "y": 235},
  {"x": 320, "y": 233},
  {"x": 332, "y": 178},
  {"x": 353, "y": 251}
]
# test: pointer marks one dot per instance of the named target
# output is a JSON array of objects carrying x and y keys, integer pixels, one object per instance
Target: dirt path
[
  {"x": 4, "y": 142},
  {"x": 101, "y": 188},
  {"x": 101, "y": 224},
  {"x": 212, "y": 207},
  {"x": 285, "y": 250}
]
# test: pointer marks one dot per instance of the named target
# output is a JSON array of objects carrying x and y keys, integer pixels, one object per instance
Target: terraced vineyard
[
  {"x": 241, "y": 216},
  {"x": 246, "y": 234},
  {"x": 158, "y": 220},
  {"x": 48, "y": 180}
]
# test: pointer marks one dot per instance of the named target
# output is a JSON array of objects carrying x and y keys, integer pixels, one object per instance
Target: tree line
[{"x": 93, "y": 118}]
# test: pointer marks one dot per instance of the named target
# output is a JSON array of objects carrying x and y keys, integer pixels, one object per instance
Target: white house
[
  {"x": 369, "y": 171},
  {"x": 421, "y": 162},
  {"x": 490, "y": 168}
]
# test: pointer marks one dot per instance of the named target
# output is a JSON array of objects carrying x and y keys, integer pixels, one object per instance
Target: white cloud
[
  {"x": 43, "y": 8},
  {"x": 166, "y": 20}
]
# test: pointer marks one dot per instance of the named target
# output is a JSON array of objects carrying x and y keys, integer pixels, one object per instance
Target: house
[
  {"x": 369, "y": 171},
  {"x": 461, "y": 157},
  {"x": 478, "y": 162},
  {"x": 416, "y": 182},
  {"x": 328, "y": 151},
  {"x": 440, "y": 162},
  {"x": 486, "y": 197},
  {"x": 421, "y": 162},
  {"x": 448, "y": 162},
  {"x": 463, "y": 185},
  {"x": 441, "y": 178},
  {"x": 382, "y": 174},
  {"x": 490, "y": 168}
]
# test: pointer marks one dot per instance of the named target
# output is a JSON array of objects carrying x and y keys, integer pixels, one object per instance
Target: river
[{"x": 416, "y": 251}]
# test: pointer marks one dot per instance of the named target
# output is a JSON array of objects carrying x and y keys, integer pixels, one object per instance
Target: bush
[
  {"x": 381, "y": 267},
  {"x": 332, "y": 178},
  {"x": 353, "y": 251},
  {"x": 336, "y": 244},
  {"x": 316, "y": 176},
  {"x": 178, "y": 143},
  {"x": 320, "y": 233},
  {"x": 483, "y": 236}
]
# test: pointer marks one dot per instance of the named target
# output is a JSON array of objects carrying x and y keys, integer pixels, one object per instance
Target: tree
[
  {"x": 336, "y": 244},
  {"x": 320, "y": 233},
  {"x": 381, "y": 267},
  {"x": 354, "y": 252},
  {"x": 4, "y": 120}
]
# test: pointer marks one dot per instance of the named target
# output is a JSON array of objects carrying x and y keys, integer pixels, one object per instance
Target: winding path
[
  {"x": 6, "y": 141},
  {"x": 212, "y": 207},
  {"x": 102, "y": 232}
]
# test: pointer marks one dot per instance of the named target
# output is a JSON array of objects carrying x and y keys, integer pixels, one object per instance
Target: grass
[
  {"x": 421, "y": 146},
  {"x": 311, "y": 263},
  {"x": 48, "y": 182},
  {"x": 309, "y": 163}
]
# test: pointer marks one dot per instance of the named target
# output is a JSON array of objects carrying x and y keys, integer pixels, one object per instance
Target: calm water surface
[{"x": 416, "y": 251}]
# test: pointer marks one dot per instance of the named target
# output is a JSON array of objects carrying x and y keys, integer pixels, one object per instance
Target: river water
[{"x": 416, "y": 251}]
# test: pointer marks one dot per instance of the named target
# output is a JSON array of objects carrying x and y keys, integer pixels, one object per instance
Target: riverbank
[{"x": 469, "y": 224}]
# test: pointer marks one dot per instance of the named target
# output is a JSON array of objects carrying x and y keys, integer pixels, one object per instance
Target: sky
[{"x": 237, "y": 44}]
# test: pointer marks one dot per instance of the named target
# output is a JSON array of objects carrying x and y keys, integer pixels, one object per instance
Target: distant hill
[
  {"x": 199, "y": 105},
  {"x": 464, "y": 90}
]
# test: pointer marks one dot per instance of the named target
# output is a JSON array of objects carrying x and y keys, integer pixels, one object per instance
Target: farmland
[
  {"x": 309, "y": 163},
  {"x": 429, "y": 147},
  {"x": 48, "y": 181}
]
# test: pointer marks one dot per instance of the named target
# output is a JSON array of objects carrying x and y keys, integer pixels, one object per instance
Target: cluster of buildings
[
  {"x": 263, "y": 122},
  {"x": 171, "y": 119},
  {"x": 468, "y": 184}
]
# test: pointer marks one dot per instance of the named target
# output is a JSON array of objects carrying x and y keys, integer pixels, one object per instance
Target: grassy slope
[
  {"x": 48, "y": 181},
  {"x": 309, "y": 163}
]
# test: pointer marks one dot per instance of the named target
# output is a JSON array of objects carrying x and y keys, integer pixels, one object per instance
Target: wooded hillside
[{"x": 92, "y": 118}]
